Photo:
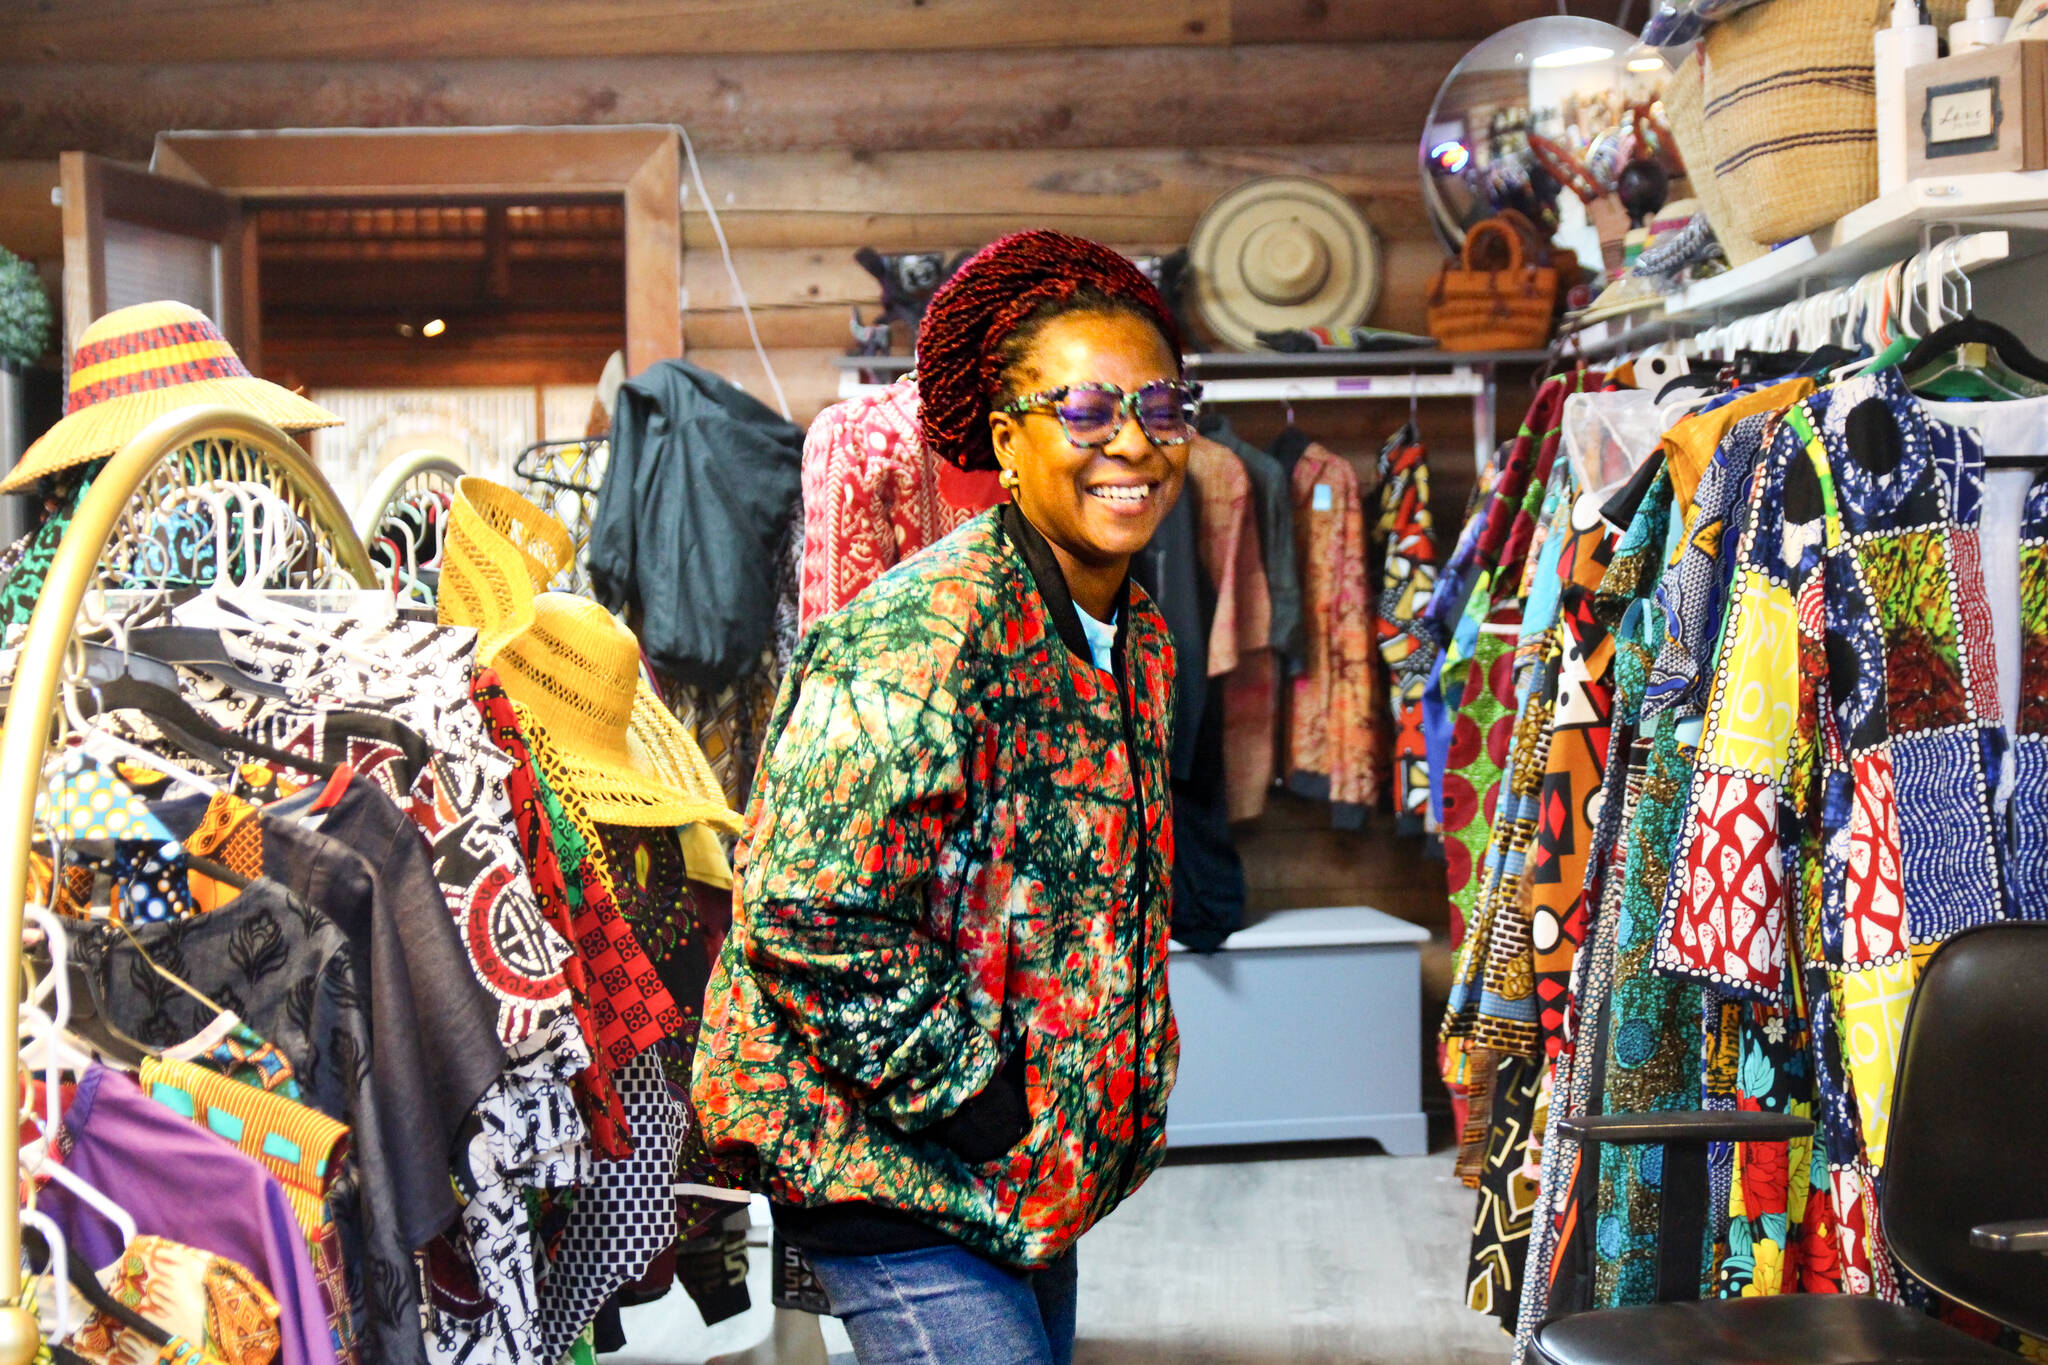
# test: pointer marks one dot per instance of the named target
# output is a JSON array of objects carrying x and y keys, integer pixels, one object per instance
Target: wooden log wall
[{"x": 821, "y": 127}]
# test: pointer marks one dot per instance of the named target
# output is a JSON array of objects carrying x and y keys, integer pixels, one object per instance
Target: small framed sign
[
  {"x": 1982, "y": 111},
  {"x": 1963, "y": 118}
]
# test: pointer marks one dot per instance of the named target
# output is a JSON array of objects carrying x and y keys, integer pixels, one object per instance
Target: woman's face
[{"x": 1099, "y": 505}]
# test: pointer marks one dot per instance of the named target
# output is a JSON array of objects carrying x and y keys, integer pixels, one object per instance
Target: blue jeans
[{"x": 948, "y": 1306}]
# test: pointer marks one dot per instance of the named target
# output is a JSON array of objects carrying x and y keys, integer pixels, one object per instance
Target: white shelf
[{"x": 1881, "y": 232}]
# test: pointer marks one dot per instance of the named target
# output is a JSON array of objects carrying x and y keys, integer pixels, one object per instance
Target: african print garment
[
  {"x": 1333, "y": 715},
  {"x": 26, "y": 563},
  {"x": 1470, "y": 708},
  {"x": 414, "y": 729},
  {"x": 291, "y": 973},
  {"x": 621, "y": 1220},
  {"x": 1241, "y": 632},
  {"x": 1406, "y": 542},
  {"x": 657, "y": 897},
  {"x": 230, "y": 1049},
  {"x": 992, "y": 874},
  {"x": 1492, "y": 1003},
  {"x": 535, "y": 817},
  {"x": 1575, "y": 766},
  {"x": 298, "y": 1145},
  {"x": 874, "y": 495},
  {"x": 1847, "y": 808},
  {"x": 208, "y": 1302},
  {"x": 1473, "y": 675},
  {"x": 1492, "y": 990}
]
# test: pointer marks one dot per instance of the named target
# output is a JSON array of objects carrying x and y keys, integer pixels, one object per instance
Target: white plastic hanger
[
  {"x": 34, "y": 1155},
  {"x": 60, "y": 1284}
]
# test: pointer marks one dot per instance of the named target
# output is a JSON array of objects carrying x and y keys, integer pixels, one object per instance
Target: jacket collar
[{"x": 1052, "y": 587}]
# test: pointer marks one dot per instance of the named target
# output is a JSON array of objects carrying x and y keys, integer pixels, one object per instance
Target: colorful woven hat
[
  {"x": 136, "y": 364},
  {"x": 574, "y": 668}
]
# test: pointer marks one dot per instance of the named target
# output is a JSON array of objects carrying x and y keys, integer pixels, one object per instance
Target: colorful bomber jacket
[{"x": 959, "y": 843}]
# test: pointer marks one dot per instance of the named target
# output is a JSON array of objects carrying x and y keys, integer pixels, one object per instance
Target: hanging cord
[{"x": 739, "y": 290}]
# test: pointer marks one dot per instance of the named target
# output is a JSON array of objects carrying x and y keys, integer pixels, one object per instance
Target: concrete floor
[{"x": 1308, "y": 1256}]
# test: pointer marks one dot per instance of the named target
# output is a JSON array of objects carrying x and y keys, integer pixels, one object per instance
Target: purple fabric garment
[{"x": 180, "y": 1182}]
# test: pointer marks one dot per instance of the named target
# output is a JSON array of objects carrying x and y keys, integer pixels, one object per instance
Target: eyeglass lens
[{"x": 1095, "y": 416}]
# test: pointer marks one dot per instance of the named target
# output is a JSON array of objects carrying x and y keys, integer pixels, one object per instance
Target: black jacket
[{"x": 701, "y": 490}]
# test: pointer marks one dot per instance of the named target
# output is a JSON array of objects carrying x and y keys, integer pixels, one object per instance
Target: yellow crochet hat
[
  {"x": 501, "y": 552},
  {"x": 577, "y": 672},
  {"x": 138, "y": 363},
  {"x": 574, "y": 668}
]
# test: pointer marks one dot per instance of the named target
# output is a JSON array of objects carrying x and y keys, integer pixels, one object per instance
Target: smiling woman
[
  {"x": 1093, "y": 481},
  {"x": 940, "y": 1023}
]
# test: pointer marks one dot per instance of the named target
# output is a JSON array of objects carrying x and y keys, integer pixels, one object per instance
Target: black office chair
[{"x": 1965, "y": 1202}]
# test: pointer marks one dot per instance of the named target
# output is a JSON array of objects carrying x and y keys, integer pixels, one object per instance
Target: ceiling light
[
  {"x": 1644, "y": 65},
  {"x": 1574, "y": 56},
  {"x": 434, "y": 328}
]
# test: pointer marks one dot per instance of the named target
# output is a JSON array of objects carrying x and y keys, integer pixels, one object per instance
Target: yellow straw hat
[
  {"x": 136, "y": 364},
  {"x": 577, "y": 672},
  {"x": 571, "y": 665},
  {"x": 501, "y": 552}
]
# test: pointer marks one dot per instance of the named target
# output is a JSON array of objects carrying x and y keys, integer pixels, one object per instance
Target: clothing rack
[
  {"x": 182, "y": 448},
  {"x": 564, "y": 476},
  {"x": 1804, "y": 295},
  {"x": 1322, "y": 376},
  {"x": 418, "y": 469}
]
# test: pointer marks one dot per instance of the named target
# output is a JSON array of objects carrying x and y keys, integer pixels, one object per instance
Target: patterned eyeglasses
[{"x": 1093, "y": 414}]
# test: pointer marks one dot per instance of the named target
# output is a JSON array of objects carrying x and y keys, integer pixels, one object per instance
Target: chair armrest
[
  {"x": 1681, "y": 1128},
  {"x": 2029, "y": 1234}
]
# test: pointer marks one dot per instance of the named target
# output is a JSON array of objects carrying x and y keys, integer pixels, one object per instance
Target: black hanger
[
  {"x": 92, "y": 1291},
  {"x": 1699, "y": 374},
  {"x": 1827, "y": 358},
  {"x": 2012, "y": 352},
  {"x": 2035, "y": 462},
  {"x": 188, "y": 729},
  {"x": 202, "y": 650}
]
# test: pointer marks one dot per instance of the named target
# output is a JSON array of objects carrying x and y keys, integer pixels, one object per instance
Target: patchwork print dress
[{"x": 1858, "y": 798}]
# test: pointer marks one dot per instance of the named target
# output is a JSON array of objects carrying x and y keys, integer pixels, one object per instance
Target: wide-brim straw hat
[
  {"x": 138, "y": 363},
  {"x": 573, "y": 667},
  {"x": 576, "y": 670},
  {"x": 1282, "y": 252}
]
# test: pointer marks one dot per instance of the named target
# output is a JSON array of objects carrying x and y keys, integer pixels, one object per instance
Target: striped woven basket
[
  {"x": 1791, "y": 114},
  {"x": 1685, "y": 110}
]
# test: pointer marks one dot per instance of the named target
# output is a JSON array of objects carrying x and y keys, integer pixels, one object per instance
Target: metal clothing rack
[
  {"x": 415, "y": 470},
  {"x": 186, "y": 447},
  {"x": 1322, "y": 376},
  {"x": 564, "y": 477}
]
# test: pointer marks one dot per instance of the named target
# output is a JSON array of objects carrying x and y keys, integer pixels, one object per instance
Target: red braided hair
[{"x": 1011, "y": 287}]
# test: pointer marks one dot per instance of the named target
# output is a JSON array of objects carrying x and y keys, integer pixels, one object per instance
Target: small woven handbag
[{"x": 1494, "y": 299}]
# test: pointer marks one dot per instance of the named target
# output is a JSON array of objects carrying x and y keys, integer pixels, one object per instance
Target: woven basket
[
  {"x": 1791, "y": 114},
  {"x": 1685, "y": 109}
]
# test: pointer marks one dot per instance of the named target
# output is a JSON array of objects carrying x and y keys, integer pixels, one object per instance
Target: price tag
[{"x": 1322, "y": 500}]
